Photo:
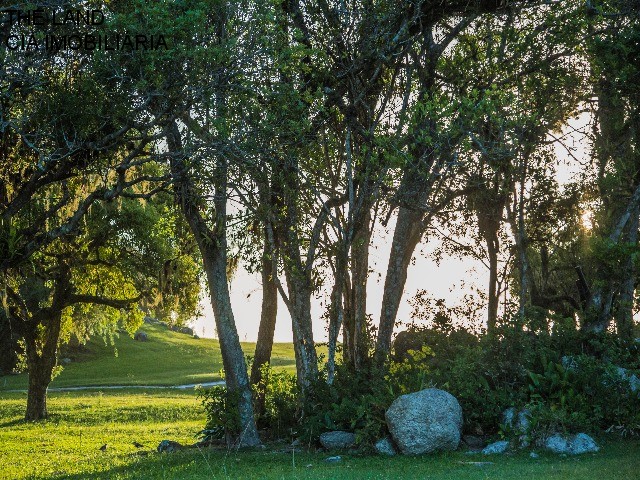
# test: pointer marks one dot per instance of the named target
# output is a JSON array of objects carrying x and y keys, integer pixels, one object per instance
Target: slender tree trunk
[
  {"x": 336, "y": 310},
  {"x": 264, "y": 345},
  {"x": 359, "y": 275},
  {"x": 300, "y": 309},
  {"x": 624, "y": 318},
  {"x": 212, "y": 244},
  {"x": 494, "y": 300},
  {"x": 406, "y": 237}
]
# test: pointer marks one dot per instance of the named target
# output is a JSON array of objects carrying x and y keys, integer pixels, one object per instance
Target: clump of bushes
[{"x": 545, "y": 372}]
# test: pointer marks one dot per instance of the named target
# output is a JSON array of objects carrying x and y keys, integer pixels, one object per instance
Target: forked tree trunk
[{"x": 212, "y": 244}]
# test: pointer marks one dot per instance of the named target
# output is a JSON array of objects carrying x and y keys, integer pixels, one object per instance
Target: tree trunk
[
  {"x": 336, "y": 310},
  {"x": 301, "y": 322},
  {"x": 359, "y": 274},
  {"x": 624, "y": 317},
  {"x": 264, "y": 345},
  {"x": 212, "y": 244},
  {"x": 494, "y": 300},
  {"x": 406, "y": 237},
  {"x": 39, "y": 379},
  {"x": 40, "y": 364}
]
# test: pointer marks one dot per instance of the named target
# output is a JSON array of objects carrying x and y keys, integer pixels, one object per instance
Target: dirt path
[{"x": 186, "y": 386}]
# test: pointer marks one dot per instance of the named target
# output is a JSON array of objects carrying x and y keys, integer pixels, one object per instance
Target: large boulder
[
  {"x": 337, "y": 440},
  {"x": 407, "y": 340},
  {"x": 425, "y": 421}
]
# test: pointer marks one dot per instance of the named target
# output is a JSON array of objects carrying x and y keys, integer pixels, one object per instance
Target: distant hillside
[{"x": 166, "y": 358}]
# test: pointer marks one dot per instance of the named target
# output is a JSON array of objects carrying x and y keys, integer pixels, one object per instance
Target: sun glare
[{"x": 587, "y": 220}]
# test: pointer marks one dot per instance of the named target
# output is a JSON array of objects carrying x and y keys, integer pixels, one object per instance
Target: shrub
[
  {"x": 281, "y": 401},
  {"x": 221, "y": 408}
]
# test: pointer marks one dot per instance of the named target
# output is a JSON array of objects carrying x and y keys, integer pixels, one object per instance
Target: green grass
[
  {"x": 67, "y": 447},
  {"x": 167, "y": 358}
]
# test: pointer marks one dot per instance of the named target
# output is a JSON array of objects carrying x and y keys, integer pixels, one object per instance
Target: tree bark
[
  {"x": 40, "y": 363},
  {"x": 300, "y": 309},
  {"x": 355, "y": 337},
  {"x": 406, "y": 237},
  {"x": 40, "y": 371},
  {"x": 491, "y": 239},
  {"x": 212, "y": 244},
  {"x": 624, "y": 317},
  {"x": 267, "y": 327},
  {"x": 336, "y": 310}
]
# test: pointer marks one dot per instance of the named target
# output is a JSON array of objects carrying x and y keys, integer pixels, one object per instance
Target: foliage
[
  {"x": 583, "y": 394},
  {"x": 356, "y": 401},
  {"x": 221, "y": 407},
  {"x": 281, "y": 397}
]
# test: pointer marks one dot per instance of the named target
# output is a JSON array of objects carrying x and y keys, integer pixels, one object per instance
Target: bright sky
[
  {"x": 441, "y": 281},
  {"x": 425, "y": 274}
]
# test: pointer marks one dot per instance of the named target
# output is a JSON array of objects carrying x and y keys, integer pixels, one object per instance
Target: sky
[
  {"x": 441, "y": 281},
  {"x": 246, "y": 293}
]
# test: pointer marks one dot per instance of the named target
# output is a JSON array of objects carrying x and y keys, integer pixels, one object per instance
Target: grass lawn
[
  {"x": 67, "y": 447},
  {"x": 167, "y": 358}
]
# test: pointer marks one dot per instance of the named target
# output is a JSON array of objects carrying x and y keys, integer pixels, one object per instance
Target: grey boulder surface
[
  {"x": 337, "y": 440},
  {"x": 385, "y": 446},
  {"x": 572, "y": 445},
  {"x": 496, "y": 448},
  {"x": 426, "y": 421}
]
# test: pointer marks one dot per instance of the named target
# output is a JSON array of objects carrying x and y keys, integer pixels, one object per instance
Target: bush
[
  {"x": 356, "y": 401},
  {"x": 281, "y": 401},
  {"x": 221, "y": 408},
  {"x": 585, "y": 394}
]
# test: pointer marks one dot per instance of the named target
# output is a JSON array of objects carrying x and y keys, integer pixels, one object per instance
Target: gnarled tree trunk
[{"x": 212, "y": 243}]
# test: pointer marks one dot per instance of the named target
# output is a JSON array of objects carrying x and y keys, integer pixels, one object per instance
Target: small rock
[
  {"x": 385, "y": 446},
  {"x": 508, "y": 417},
  {"x": 65, "y": 361},
  {"x": 556, "y": 443},
  {"x": 337, "y": 440},
  {"x": 140, "y": 337},
  {"x": 519, "y": 421},
  {"x": 335, "y": 459},
  {"x": 496, "y": 448},
  {"x": 634, "y": 381},
  {"x": 534, "y": 455},
  {"x": 583, "y": 443},
  {"x": 169, "y": 446},
  {"x": 573, "y": 445},
  {"x": 196, "y": 337},
  {"x": 475, "y": 442}
]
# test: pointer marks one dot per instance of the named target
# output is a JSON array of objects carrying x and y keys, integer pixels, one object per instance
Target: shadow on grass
[
  {"x": 13, "y": 423},
  {"x": 153, "y": 465}
]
